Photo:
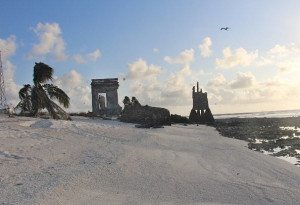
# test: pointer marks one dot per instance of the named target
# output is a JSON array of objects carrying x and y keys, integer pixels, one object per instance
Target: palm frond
[
  {"x": 25, "y": 105},
  {"x": 42, "y": 73},
  {"x": 42, "y": 101},
  {"x": 39, "y": 99},
  {"x": 56, "y": 93},
  {"x": 25, "y": 97},
  {"x": 25, "y": 91},
  {"x": 60, "y": 113}
]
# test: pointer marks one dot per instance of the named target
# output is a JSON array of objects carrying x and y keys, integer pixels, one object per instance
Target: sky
[{"x": 159, "y": 50}]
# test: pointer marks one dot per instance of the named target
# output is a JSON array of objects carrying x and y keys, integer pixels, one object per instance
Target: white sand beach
[{"x": 93, "y": 161}]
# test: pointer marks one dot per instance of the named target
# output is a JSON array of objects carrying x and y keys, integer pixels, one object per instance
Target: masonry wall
[{"x": 110, "y": 87}]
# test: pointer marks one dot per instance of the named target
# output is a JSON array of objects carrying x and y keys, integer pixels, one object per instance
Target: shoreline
[{"x": 279, "y": 137}]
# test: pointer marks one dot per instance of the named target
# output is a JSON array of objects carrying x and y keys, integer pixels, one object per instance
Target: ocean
[{"x": 262, "y": 114}]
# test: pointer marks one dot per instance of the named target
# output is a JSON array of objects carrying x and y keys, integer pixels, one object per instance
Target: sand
[{"x": 94, "y": 161}]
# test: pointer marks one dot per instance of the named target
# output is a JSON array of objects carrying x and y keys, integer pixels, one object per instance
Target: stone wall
[
  {"x": 108, "y": 86},
  {"x": 146, "y": 115}
]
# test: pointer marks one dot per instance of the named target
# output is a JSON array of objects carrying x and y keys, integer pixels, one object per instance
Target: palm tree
[{"x": 41, "y": 95}]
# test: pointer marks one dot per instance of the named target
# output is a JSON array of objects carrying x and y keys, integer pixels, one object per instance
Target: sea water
[{"x": 268, "y": 114}]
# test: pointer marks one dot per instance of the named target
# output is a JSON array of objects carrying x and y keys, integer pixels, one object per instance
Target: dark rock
[
  {"x": 146, "y": 115},
  {"x": 157, "y": 126},
  {"x": 149, "y": 126},
  {"x": 268, "y": 130},
  {"x": 143, "y": 126},
  {"x": 179, "y": 119}
]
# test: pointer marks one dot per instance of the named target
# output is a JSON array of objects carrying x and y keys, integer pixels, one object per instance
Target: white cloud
[
  {"x": 8, "y": 47},
  {"x": 284, "y": 69},
  {"x": 78, "y": 58},
  {"x": 239, "y": 58},
  {"x": 184, "y": 57},
  {"x": 79, "y": 93},
  {"x": 243, "y": 80},
  {"x": 217, "y": 81},
  {"x": 11, "y": 88},
  {"x": 174, "y": 90},
  {"x": 281, "y": 49},
  {"x": 287, "y": 60},
  {"x": 287, "y": 66},
  {"x": 205, "y": 47},
  {"x": 278, "y": 49},
  {"x": 203, "y": 73},
  {"x": 140, "y": 69},
  {"x": 241, "y": 93},
  {"x": 273, "y": 82},
  {"x": 51, "y": 41},
  {"x": 93, "y": 56},
  {"x": 265, "y": 95},
  {"x": 155, "y": 50},
  {"x": 185, "y": 70},
  {"x": 262, "y": 62},
  {"x": 71, "y": 79}
]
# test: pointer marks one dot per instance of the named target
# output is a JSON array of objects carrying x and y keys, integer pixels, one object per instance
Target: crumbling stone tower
[
  {"x": 105, "y": 97},
  {"x": 200, "y": 111}
]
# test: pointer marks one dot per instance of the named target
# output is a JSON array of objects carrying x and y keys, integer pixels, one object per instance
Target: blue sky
[{"x": 161, "y": 49}]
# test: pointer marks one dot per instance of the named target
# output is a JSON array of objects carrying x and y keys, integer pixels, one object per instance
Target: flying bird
[{"x": 225, "y": 28}]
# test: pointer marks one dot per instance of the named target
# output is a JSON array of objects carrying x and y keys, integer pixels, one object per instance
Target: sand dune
[{"x": 87, "y": 161}]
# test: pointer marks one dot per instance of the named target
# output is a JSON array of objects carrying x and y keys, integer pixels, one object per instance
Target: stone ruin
[
  {"x": 146, "y": 116},
  {"x": 200, "y": 112},
  {"x": 105, "y": 97},
  {"x": 105, "y": 103}
]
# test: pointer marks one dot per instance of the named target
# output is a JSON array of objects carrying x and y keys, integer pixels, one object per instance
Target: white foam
[{"x": 290, "y": 128}]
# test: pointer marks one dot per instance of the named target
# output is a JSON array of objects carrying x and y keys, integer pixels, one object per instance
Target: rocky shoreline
[{"x": 279, "y": 137}]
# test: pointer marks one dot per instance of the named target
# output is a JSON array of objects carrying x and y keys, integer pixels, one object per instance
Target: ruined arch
[{"x": 105, "y": 97}]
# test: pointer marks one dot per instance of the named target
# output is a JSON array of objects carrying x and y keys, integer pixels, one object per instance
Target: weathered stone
[
  {"x": 209, "y": 118},
  {"x": 126, "y": 101},
  {"x": 105, "y": 105},
  {"x": 146, "y": 115},
  {"x": 134, "y": 101},
  {"x": 200, "y": 112},
  {"x": 193, "y": 116}
]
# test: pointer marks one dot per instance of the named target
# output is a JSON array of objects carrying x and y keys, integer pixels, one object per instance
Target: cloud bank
[
  {"x": 205, "y": 47},
  {"x": 140, "y": 69},
  {"x": 8, "y": 49},
  {"x": 184, "y": 57},
  {"x": 50, "y": 41},
  {"x": 238, "y": 58},
  {"x": 93, "y": 56}
]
